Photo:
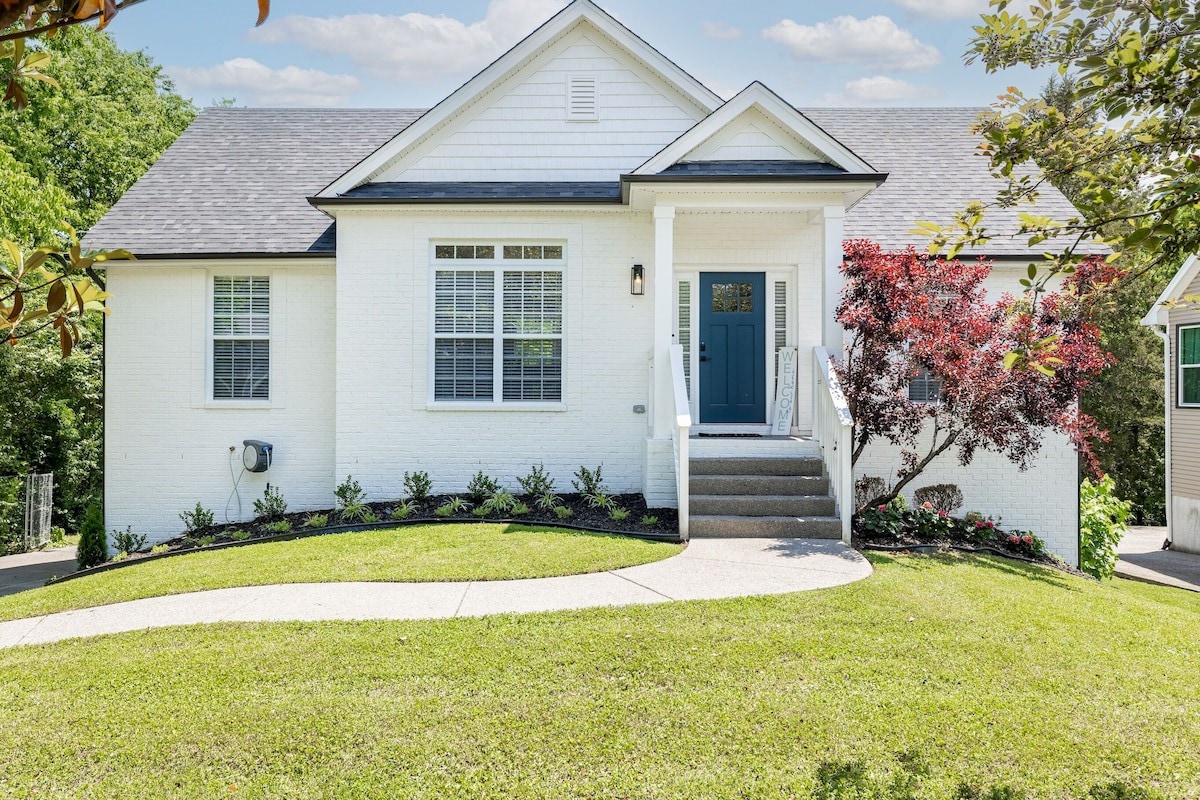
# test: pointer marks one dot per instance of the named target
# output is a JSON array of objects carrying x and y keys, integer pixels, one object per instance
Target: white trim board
[{"x": 1159, "y": 313}]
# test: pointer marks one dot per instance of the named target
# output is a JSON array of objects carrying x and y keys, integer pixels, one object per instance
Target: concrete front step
[
  {"x": 758, "y": 484},
  {"x": 707, "y": 526},
  {"x": 757, "y": 505},
  {"x": 756, "y": 466}
]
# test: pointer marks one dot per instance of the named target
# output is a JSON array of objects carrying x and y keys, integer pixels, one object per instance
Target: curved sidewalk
[{"x": 706, "y": 569}]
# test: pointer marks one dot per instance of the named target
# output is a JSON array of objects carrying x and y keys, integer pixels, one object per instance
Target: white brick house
[{"x": 504, "y": 280}]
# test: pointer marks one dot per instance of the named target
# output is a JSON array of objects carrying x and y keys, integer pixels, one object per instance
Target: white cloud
[
  {"x": 875, "y": 41},
  {"x": 253, "y": 83},
  {"x": 414, "y": 48},
  {"x": 721, "y": 31},
  {"x": 880, "y": 89},
  {"x": 945, "y": 9}
]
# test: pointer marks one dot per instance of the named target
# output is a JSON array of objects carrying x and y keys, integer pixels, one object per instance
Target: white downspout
[{"x": 1164, "y": 333}]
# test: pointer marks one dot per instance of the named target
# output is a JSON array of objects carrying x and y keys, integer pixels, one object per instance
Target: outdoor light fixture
[{"x": 637, "y": 281}]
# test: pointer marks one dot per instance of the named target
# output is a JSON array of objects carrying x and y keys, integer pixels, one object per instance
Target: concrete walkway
[
  {"x": 1143, "y": 559},
  {"x": 707, "y": 569},
  {"x": 30, "y": 570}
]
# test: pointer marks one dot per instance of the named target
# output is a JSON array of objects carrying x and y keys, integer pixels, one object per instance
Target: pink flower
[
  {"x": 927, "y": 504},
  {"x": 1027, "y": 539},
  {"x": 978, "y": 525},
  {"x": 1014, "y": 539},
  {"x": 943, "y": 514},
  {"x": 989, "y": 524},
  {"x": 882, "y": 508}
]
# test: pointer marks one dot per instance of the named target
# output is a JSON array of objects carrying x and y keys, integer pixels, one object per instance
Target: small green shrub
[
  {"x": 537, "y": 482},
  {"x": 942, "y": 496},
  {"x": 348, "y": 492},
  {"x": 121, "y": 556},
  {"x": 316, "y": 521},
  {"x": 239, "y": 536},
  {"x": 882, "y": 521},
  {"x": 562, "y": 512},
  {"x": 198, "y": 519},
  {"x": 417, "y": 486},
  {"x": 618, "y": 514},
  {"x": 355, "y": 510},
  {"x": 481, "y": 487},
  {"x": 370, "y": 517},
  {"x": 159, "y": 548},
  {"x": 547, "y": 501},
  {"x": 278, "y": 526},
  {"x": 127, "y": 541},
  {"x": 404, "y": 510},
  {"x": 481, "y": 511},
  {"x": 649, "y": 520},
  {"x": 899, "y": 503},
  {"x": 589, "y": 482},
  {"x": 458, "y": 505},
  {"x": 519, "y": 510},
  {"x": 867, "y": 488},
  {"x": 188, "y": 541},
  {"x": 57, "y": 536},
  {"x": 205, "y": 541},
  {"x": 93, "y": 544},
  {"x": 271, "y": 505},
  {"x": 1102, "y": 520}
]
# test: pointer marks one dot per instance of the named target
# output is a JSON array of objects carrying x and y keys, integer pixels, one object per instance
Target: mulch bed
[{"x": 908, "y": 542}]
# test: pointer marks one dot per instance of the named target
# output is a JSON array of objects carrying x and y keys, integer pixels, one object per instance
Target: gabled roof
[
  {"x": 759, "y": 97},
  {"x": 577, "y": 12},
  {"x": 1160, "y": 312},
  {"x": 934, "y": 169},
  {"x": 237, "y": 181}
]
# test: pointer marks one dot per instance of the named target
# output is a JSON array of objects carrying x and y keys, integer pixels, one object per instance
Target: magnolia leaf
[
  {"x": 65, "y": 343},
  {"x": 56, "y": 297},
  {"x": 1011, "y": 360},
  {"x": 14, "y": 253},
  {"x": 14, "y": 314},
  {"x": 1042, "y": 368},
  {"x": 264, "y": 9}
]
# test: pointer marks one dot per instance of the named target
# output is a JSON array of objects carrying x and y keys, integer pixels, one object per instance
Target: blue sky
[{"x": 411, "y": 53}]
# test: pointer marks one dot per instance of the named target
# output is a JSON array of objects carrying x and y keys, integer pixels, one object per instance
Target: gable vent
[{"x": 583, "y": 102}]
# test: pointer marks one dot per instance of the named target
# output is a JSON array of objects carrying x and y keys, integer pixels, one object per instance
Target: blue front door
[{"x": 732, "y": 349}]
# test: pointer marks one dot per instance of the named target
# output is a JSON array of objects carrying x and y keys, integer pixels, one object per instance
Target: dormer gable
[{"x": 756, "y": 126}]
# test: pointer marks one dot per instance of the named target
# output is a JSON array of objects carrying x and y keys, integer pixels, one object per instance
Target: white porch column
[
  {"x": 661, "y": 293},
  {"x": 832, "y": 333}
]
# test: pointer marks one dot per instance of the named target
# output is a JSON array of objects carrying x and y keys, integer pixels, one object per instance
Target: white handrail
[
  {"x": 833, "y": 429},
  {"x": 679, "y": 436}
]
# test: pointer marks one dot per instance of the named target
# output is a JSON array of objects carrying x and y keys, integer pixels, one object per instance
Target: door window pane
[{"x": 733, "y": 297}]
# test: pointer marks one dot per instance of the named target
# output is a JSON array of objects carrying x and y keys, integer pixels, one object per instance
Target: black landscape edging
[{"x": 364, "y": 526}]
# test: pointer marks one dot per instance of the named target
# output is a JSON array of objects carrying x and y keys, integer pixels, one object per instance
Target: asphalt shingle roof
[
  {"x": 237, "y": 180},
  {"x": 933, "y": 171}
]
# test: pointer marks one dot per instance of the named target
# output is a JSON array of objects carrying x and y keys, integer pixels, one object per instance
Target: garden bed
[{"x": 925, "y": 528}]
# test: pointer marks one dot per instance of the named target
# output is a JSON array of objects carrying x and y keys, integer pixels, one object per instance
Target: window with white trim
[
  {"x": 241, "y": 331},
  {"x": 1189, "y": 365},
  {"x": 498, "y": 323},
  {"x": 924, "y": 386}
]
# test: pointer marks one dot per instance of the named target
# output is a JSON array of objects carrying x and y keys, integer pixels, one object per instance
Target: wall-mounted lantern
[{"x": 637, "y": 280}]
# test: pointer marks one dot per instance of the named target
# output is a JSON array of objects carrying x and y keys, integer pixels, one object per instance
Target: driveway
[
  {"x": 1143, "y": 559},
  {"x": 31, "y": 570}
]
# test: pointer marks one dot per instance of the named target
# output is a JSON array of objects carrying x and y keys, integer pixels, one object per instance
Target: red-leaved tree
[{"x": 1011, "y": 369}]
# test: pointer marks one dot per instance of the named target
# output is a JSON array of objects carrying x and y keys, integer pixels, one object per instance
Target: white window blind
[
  {"x": 583, "y": 102},
  {"x": 498, "y": 331},
  {"x": 241, "y": 337},
  {"x": 685, "y": 331}
]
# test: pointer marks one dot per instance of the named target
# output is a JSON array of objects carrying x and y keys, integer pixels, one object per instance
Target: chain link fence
[{"x": 26, "y": 502}]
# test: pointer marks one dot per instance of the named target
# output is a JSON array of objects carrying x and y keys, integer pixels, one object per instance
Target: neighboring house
[
  {"x": 1176, "y": 318},
  {"x": 505, "y": 279}
]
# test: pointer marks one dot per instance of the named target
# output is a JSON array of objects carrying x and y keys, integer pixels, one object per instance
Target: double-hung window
[
  {"x": 241, "y": 337},
  {"x": 1189, "y": 366},
  {"x": 498, "y": 323},
  {"x": 924, "y": 386}
]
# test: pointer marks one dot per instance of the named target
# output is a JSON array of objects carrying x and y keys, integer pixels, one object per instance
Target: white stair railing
[
  {"x": 679, "y": 436},
  {"x": 833, "y": 428}
]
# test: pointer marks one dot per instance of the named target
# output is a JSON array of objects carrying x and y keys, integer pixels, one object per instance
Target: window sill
[
  {"x": 446, "y": 405},
  {"x": 240, "y": 404}
]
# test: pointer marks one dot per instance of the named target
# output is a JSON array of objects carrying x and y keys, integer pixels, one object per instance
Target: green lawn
[
  {"x": 451, "y": 552},
  {"x": 987, "y": 671}
]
